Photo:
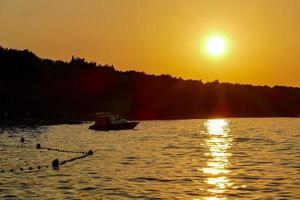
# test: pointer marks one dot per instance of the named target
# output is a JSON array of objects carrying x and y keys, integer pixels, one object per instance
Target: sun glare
[{"x": 216, "y": 46}]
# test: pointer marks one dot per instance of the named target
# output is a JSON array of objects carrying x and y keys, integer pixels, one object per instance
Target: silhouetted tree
[{"x": 55, "y": 89}]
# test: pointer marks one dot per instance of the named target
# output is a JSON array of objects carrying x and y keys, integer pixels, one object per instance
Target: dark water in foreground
[{"x": 184, "y": 159}]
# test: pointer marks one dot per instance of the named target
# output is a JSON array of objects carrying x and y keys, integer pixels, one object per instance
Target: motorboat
[{"x": 108, "y": 121}]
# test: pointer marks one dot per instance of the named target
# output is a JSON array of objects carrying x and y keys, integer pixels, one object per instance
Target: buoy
[
  {"x": 22, "y": 140},
  {"x": 38, "y": 146},
  {"x": 90, "y": 152},
  {"x": 55, "y": 164}
]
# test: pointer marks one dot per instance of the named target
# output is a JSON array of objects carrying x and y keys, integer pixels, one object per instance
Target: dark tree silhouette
[{"x": 47, "y": 89}]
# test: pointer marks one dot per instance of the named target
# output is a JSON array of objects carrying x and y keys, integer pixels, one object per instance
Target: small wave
[
  {"x": 88, "y": 188},
  {"x": 10, "y": 196},
  {"x": 246, "y": 177},
  {"x": 145, "y": 179},
  {"x": 254, "y": 140},
  {"x": 126, "y": 163},
  {"x": 64, "y": 188},
  {"x": 131, "y": 158},
  {"x": 171, "y": 147},
  {"x": 270, "y": 190},
  {"x": 249, "y": 188}
]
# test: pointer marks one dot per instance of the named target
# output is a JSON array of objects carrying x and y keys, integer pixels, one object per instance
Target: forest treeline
[{"x": 43, "y": 88}]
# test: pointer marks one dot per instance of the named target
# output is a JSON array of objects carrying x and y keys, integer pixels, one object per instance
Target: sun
[{"x": 216, "y": 46}]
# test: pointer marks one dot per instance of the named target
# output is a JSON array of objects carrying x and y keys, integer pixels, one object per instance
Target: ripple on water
[{"x": 149, "y": 179}]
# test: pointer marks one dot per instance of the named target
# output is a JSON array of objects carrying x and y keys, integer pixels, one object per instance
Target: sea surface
[{"x": 208, "y": 159}]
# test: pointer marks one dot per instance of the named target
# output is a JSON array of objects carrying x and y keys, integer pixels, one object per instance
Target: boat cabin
[{"x": 104, "y": 119}]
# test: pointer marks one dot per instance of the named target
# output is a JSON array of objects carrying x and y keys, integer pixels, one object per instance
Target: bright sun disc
[{"x": 215, "y": 46}]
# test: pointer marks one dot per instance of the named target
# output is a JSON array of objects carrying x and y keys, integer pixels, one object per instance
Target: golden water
[{"x": 179, "y": 159}]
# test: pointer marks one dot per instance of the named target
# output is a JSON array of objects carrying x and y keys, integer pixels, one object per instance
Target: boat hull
[{"x": 119, "y": 126}]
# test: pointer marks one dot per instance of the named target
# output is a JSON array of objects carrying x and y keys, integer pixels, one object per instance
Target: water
[{"x": 179, "y": 159}]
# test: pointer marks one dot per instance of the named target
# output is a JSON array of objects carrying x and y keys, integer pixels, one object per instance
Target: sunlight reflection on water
[{"x": 218, "y": 143}]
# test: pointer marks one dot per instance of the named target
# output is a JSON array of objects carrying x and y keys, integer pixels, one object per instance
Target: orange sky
[{"x": 163, "y": 36}]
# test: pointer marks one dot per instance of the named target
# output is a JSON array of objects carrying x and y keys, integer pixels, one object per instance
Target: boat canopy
[
  {"x": 105, "y": 115},
  {"x": 101, "y": 114}
]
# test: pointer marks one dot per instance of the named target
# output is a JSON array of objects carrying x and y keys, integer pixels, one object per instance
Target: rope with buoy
[{"x": 55, "y": 163}]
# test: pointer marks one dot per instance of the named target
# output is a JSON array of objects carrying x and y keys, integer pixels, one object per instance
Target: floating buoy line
[{"x": 55, "y": 163}]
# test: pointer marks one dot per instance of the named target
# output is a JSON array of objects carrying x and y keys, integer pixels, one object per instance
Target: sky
[{"x": 164, "y": 36}]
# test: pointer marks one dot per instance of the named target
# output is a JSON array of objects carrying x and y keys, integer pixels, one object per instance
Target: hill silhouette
[{"x": 47, "y": 89}]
